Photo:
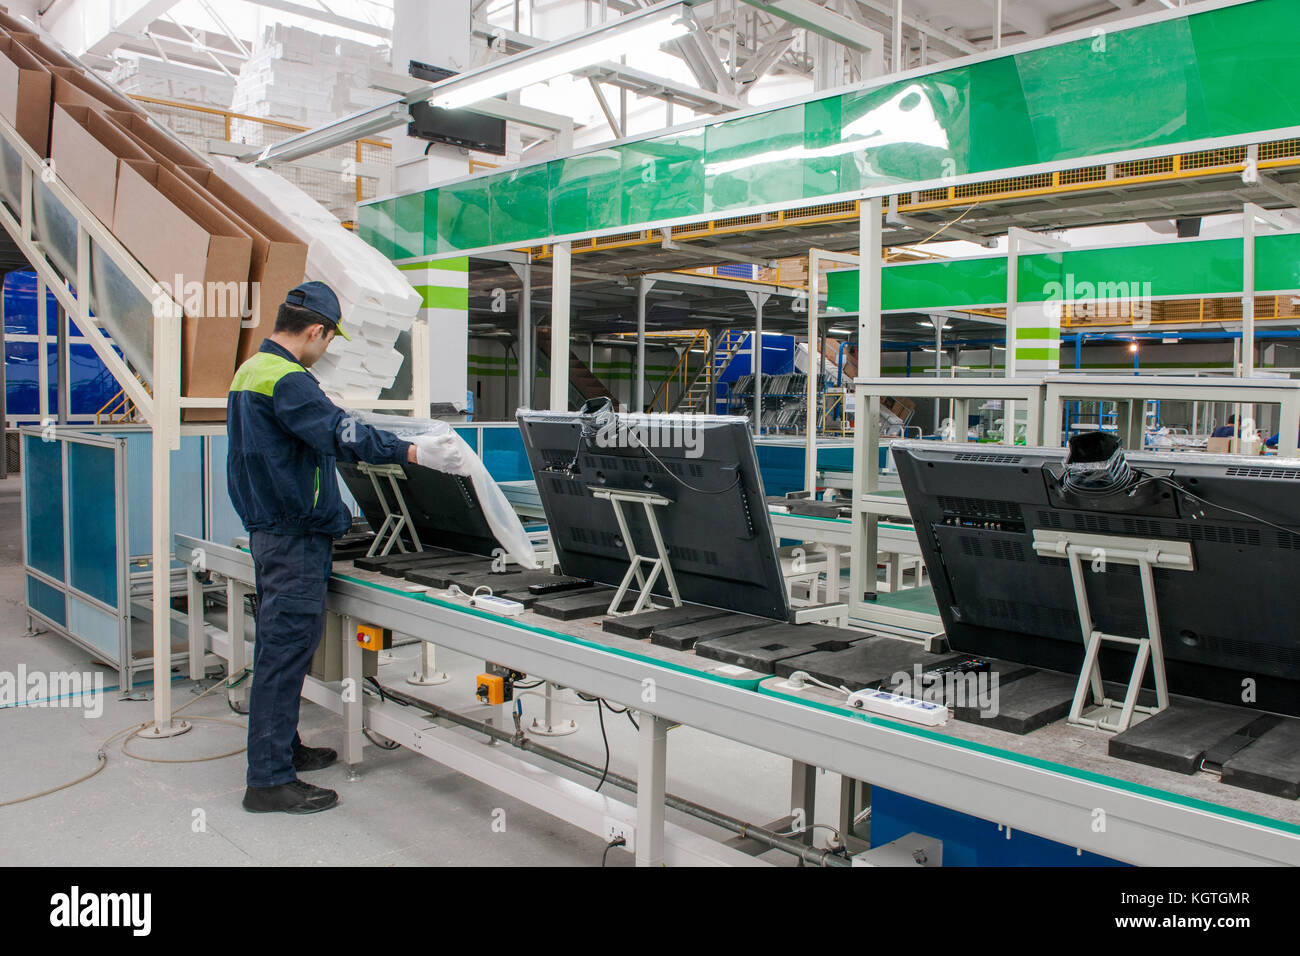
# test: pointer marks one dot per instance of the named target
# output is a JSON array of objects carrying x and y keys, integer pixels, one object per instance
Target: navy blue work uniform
[{"x": 285, "y": 436}]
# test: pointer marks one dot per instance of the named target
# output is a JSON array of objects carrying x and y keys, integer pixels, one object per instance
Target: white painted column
[
  {"x": 561, "y": 263},
  {"x": 651, "y": 786},
  {"x": 866, "y": 471},
  {"x": 642, "y": 290},
  {"x": 814, "y": 368}
]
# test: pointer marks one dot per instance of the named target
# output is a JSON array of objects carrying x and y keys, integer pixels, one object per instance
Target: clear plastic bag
[{"x": 458, "y": 458}]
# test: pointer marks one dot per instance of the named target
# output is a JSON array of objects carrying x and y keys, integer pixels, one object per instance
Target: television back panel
[
  {"x": 716, "y": 530},
  {"x": 444, "y": 508},
  {"x": 1230, "y": 626}
]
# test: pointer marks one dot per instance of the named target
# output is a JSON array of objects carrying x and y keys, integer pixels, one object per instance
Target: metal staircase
[
  {"x": 701, "y": 396},
  {"x": 581, "y": 378}
]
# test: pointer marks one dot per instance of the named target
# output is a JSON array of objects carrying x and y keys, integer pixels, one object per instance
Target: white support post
[
  {"x": 897, "y": 64},
  {"x": 420, "y": 359},
  {"x": 165, "y": 425},
  {"x": 866, "y": 471},
  {"x": 643, "y": 286},
  {"x": 814, "y": 369},
  {"x": 524, "y": 346},
  {"x": 561, "y": 266},
  {"x": 43, "y": 347},
  {"x": 236, "y": 591},
  {"x": 758, "y": 299},
  {"x": 353, "y": 699},
  {"x": 428, "y": 675},
  {"x": 651, "y": 787},
  {"x": 194, "y": 607}
]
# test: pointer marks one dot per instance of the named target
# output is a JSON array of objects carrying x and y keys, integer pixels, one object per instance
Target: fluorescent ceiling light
[
  {"x": 650, "y": 28},
  {"x": 841, "y": 331},
  {"x": 930, "y": 325}
]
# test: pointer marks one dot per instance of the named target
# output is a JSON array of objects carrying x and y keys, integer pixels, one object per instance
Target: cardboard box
[
  {"x": 279, "y": 259},
  {"x": 75, "y": 88},
  {"x": 1233, "y": 445},
  {"x": 85, "y": 149},
  {"x": 38, "y": 47},
  {"x": 278, "y": 264},
  {"x": 182, "y": 238},
  {"x": 25, "y": 95},
  {"x": 162, "y": 146}
]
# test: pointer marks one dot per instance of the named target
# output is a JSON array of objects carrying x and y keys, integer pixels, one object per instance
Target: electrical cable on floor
[
  {"x": 617, "y": 841},
  {"x": 391, "y": 745},
  {"x": 134, "y": 730}
]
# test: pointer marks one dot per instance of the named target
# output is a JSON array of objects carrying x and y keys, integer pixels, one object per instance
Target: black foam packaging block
[
  {"x": 381, "y": 561},
  {"x": 1177, "y": 738},
  {"x": 1024, "y": 704},
  {"x": 440, "y": 576},
  {"x": 871, "y": 662},
  {"x": 761, "y": 650},
  {"x": 682, "y": 637},
  {"x": 1270, "y": 764},
  {"x": 518, "y": 579},
  {"x": 573, "y": 605},
  {"x": 640, "y": 626}
]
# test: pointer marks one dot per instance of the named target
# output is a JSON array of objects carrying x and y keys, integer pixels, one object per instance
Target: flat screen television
[
  {"x": 465, "y": 128},
  {"x": 1230, "y": 626},
  {"x": 716, "y": 530},
  {"x": 444, "y": 508}
]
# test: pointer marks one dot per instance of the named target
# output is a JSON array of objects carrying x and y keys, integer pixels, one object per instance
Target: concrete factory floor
[{"x": 403, "y": 810}]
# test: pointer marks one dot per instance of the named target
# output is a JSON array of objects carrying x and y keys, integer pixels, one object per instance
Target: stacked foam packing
[
  {"x": 304, "y": 77},
  {"x": 377, "y": 301},
  {"x": 144, "y": 76}
]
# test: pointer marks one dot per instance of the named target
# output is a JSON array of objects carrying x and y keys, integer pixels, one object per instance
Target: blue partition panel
[
  {"x": 43, "y": 501},
  {"x": 46, "y": 600},
  {"x": 226, "y": 524},
  {"x": 504, "y": 455},
  {"x": 92, "y": 522},
  {"x": 186, "y": 493},
  {"x": 967, "y": 840},
  {"x": 95, "y": 626}
]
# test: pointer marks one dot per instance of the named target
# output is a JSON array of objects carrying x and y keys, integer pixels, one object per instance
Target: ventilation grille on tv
[
  {"x": 1146, "y": 528},
  {"x": 1250, "y": 471},
  {"x": 991, "y": 459},
  {"x": 1029, "y": 617},
  {"x": 1258, "y": 653}
]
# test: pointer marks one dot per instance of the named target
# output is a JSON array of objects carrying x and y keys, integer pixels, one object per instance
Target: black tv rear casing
[
  {"x": 721, "y": 546},
  {"x": 444, "y": 508},
  {"x": 1234, "y": 619}
]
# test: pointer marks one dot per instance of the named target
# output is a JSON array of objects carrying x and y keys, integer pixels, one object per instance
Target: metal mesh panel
[
  {"x": 1088, "y": 174},
  {"x": 1014, "y": 184},
  {"x": 1215, "y": 157},
  {"x": 1144, "y": 167}
]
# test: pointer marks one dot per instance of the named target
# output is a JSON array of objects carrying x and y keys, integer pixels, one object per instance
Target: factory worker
[
  {"x": 1226, "y": 431},
  {"x": 284, "y": 437}
]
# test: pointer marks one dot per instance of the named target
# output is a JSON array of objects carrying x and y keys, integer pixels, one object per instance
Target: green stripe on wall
[
  {"x": 1037, "y": 333},
  {"x": 1038, "y": 355},
  {"x": 460, "y": 264},
  {"x": 442, "y": 297}
]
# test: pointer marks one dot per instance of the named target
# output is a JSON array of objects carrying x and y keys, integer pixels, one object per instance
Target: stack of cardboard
[{"x": 223, "y": 258}]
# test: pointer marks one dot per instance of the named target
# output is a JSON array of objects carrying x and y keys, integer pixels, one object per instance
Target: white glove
[{"x": 441, "y": 453}]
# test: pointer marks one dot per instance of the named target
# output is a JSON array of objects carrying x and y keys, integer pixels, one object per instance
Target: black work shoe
[
  {"x": 307, "y": 759},
  {"x": 293, "y": 797}
]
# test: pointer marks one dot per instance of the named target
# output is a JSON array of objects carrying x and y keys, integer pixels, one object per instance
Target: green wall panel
[
  {"x": 663, "y": 177},
  {"x": 1203, "y": 267},
  {"x": 464, "y": 217},
  {"x": 514, "y": 220},
  {"x": 1198, "y": 76},
  {"x": 586, "y": 192}
]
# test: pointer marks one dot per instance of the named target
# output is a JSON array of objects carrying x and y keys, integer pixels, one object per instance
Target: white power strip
[
  {"x": 885, "y": 704},
  {"x": 497, "y": 605}
]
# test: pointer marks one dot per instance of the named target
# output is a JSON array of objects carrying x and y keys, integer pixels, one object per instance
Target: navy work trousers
[{"x": 292, "y": 571}]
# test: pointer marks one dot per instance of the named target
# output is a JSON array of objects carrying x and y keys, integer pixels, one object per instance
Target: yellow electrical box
[
  {"x": 373, "y": 638},
  {"x": 491, "y": 688}
]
